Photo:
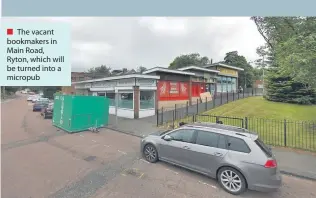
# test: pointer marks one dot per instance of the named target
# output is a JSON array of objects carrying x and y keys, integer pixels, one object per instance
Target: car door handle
[
  {"x": 218, "y": 154},
  {"x": 186, "y": 147}
]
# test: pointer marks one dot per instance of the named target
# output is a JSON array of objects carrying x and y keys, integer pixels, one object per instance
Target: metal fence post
[
  {"x": 175, "y": 111},
  {"x": 173, "y": 119},
  {"x": 157, "y": 112},
  {"x": 214, "y": 98},
  {"x": 221, "y": 98},
  {"x": 205, "y": 103},
  {"x": 161, "y": 115},
  {"x": 233, "y": 96},
  {"x": 217, "y": 119},
  {"x": 246, "y": 123},
  {"x": 187, "y": 108},
  {"x": 197, "y": 106},
  {"x": 227, "y": 97},
  {"x": 193, "y": 118},
  {"x": 284, "y": 132}
]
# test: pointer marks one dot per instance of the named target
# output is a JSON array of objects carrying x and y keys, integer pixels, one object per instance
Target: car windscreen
[{"x": 263, "y": 147}]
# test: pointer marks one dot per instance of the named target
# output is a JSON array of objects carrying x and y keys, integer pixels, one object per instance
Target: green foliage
[
  {"x": 101, "y": 71},
  {"x": 141, "y": 69},
  {"x": 10, "y": 90},
  {"x": 246, "y": 77},
  {"x": 50, "y": 91},
  {"x": 282, "y": 88},
  {"x": 291, "y": 44},
  {"x": 188, "y": 60},
  {"x": 297, "y": 58},
  {"x": 35, "y": 89}
]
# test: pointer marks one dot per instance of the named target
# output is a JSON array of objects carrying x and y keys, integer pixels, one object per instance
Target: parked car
[
  {"x": 30, "y": 98},
  {"x": 36, "y": 98},
  {"x": 38, "y": 106},
  {"x": 44, "y": 99},
  {"x": 236, "y": 157},
  {"x": 47, "y": 112}
]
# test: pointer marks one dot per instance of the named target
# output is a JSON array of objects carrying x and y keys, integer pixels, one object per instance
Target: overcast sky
[{"x": 155, "y": 41}]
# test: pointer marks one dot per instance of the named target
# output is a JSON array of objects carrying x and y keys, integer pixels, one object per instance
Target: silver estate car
[{"x": 237, "y": 158}]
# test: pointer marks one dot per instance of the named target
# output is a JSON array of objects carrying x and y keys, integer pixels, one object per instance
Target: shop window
[
  {"x": 111, "y": 97},
  {"x": 147, "y": 100},
  {"x": 126, "y": 101}
]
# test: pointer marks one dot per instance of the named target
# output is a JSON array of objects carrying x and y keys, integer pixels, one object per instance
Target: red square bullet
[{"x": 9, "y": 31}]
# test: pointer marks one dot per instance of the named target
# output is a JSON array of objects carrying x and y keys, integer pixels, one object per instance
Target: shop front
[
  {"x": 227, "y": 79},
  {"x": 132, "y": 95}
]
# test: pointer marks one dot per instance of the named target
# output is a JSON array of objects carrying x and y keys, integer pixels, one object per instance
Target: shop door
[{"x": 212, "y": 89}]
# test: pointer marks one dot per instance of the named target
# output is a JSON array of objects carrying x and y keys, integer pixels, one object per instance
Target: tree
[
  {"x": 141, "y": 69},
  {"x": 292, "y": 41},
  {"x": 101, "y": 71},
  {"x": 291, "y": 46},
  {"x": 124, "y": 70},
  {"x": 246, "y": 77},
  {"x": 35, "y": 89},
  {"x": 188, "y": 60},
  {"x": 49, "y": 92},
  {"x": 5, "y": 91},
  {"x": 282, "y": 88}
]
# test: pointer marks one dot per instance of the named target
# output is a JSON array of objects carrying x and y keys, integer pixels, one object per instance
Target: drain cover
[{"x": 90, "y": 158}]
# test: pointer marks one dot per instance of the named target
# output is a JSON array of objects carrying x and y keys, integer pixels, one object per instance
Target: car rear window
[
  {"x": 238, "y": 145},
  {"x": 263, "y": 147}
]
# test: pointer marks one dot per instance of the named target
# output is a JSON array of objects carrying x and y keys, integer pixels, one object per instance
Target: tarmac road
[{"x": 41, "y": 161}]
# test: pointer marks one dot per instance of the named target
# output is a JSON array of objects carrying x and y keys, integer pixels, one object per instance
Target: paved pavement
[{"x": 39, "y": 161}]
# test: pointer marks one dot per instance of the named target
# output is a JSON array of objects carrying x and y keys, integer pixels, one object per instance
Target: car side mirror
[{"x": 167, "y": 138}]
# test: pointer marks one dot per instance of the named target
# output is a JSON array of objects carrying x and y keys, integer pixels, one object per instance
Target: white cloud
[
  {"x": 155, "y": 41},
  {"x": 165, "y": 26}
]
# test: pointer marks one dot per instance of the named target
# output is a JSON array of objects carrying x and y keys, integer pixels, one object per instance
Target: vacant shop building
[{"x": 136, "y": 93}]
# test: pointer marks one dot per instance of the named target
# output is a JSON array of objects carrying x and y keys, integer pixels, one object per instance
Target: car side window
[
  {"x": 206, "y": 138},
  {"x": 236, "y": 144},
  {"x": 222, "y": 144},
  {"x": 182, "y": 135}
]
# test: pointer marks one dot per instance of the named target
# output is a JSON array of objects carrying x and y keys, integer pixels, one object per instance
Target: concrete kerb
[
  {"x": 297, "y": 175},
  {"x": 125, "y": 132},
  {"x": 282, "y": 171}
]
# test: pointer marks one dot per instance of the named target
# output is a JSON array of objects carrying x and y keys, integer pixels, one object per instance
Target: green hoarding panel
[{"x": 79, "y": 113}]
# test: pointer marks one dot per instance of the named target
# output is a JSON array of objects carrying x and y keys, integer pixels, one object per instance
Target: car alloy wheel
[
  {"x": 150, "y": 153},
  {"x": 232, "y": 181}
]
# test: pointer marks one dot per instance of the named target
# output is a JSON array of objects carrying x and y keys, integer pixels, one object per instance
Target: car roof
[{"x": 223, "y": 129}]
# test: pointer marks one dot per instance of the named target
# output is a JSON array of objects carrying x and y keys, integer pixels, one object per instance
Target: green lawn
[
  {"x": 260, "y": 108},
  {"x": 277, "y": 124}
]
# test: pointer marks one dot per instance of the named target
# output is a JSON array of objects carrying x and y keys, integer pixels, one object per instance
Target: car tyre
[
  {"x": 231, "y": 180},
  {"x": 150, "y": 153}
]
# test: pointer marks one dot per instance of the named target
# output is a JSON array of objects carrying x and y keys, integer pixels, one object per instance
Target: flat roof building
[
  {"x": 136, "y": 93},
  {"x": 140, "y": 95}
]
